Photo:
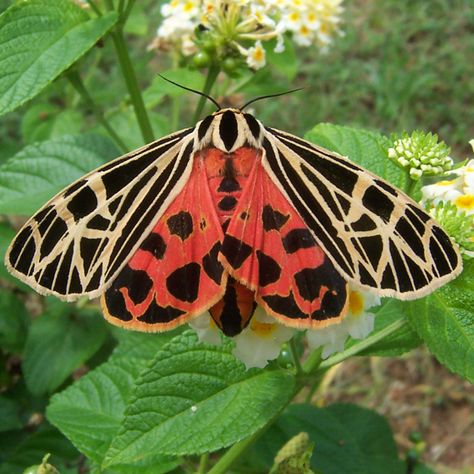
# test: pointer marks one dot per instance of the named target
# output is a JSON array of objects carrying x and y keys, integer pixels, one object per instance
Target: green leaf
[
  {"x": 29, "y": 450},
  {"x": 58, "y": 343},
  {"x": 9, "y": 415},
  {"x": 124, "y": 122},
  {"x": 195, "y": 399},
  {"x": 89, "y": 411},
  {"x": 14, "y": 322},
  {"x": 40, "y": 39},
  {"x": 403, "y": 340},
  {"x": 45, "y": 121},
  {"x": 445, "y": 321},
  {"x": 285, "y": 62},
  {"x": 347, "y": 438},
  {"x": 368, "y": 149},
  {"x": 39, "y": 171}
]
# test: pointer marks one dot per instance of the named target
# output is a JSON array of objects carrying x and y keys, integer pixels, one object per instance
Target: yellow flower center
[
  {"x": 356, "y": 303},
  {"x": 445, "y": 183},
  {"x": 466, "y": 201},
  {"x": 262, "y": 329},
  {"x": 188, "y": 6},
  {"x": 294, "y": 16},
  {"x": 258, "y": 54},
  {"x": 311, "y": 17},
  {"x": 304, "y": 30}
]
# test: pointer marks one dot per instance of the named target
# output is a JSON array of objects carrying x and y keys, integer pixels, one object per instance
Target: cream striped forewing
[
  {"x": 375, "y": 235},
  {"x": 78, "y": 242}
]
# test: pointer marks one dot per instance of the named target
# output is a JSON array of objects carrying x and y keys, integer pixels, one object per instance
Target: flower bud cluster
[
  {"x": 219, "y": 29},
  {"x": 421, "y": 154}
]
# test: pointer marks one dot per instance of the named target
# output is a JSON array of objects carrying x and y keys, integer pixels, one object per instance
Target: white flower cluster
[
  {"x": 421, "y": 154},
  {"x": 451, "y": 202},
  {"x": 236, "y": 24},
  {"x": 264, "y": 337},
  {"x": 459, "y": 191}
]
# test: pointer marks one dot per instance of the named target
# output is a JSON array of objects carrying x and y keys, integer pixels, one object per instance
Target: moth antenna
[
  {"x": 268, "y": 96},
  {"x": 193, "y": 90}
]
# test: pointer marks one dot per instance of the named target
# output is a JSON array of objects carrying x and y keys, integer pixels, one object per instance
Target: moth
[{"x": 224, "y": 216}]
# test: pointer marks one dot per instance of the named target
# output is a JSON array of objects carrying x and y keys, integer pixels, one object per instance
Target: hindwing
[
  {"x": 79, "y": 241},
  {"x": 375, "y": 235}
]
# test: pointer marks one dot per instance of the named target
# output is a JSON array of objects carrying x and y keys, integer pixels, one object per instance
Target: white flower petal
[{"x": 206, "y": 329}]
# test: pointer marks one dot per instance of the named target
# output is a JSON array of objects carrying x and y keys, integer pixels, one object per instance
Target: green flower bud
[
  {"x": 201, "y": 59},
  {"x": 458, "y": 225},
  {"x": 420, "y": 154}
]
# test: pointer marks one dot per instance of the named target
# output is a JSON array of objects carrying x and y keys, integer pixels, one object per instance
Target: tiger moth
[{"x": 225, "y": 216}]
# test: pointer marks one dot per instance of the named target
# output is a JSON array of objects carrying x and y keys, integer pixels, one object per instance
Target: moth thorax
[{"x": 229, "y": 129}]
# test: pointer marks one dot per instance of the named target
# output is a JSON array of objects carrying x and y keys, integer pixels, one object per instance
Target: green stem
[
  {"x": 94, "y": 7},
  {"x": 131, "y": 80},
  {"x": 203, "y": 463},
  {"x": 363, "y": 344},
  {"x": 233, "y": 453},
  {"x": 296, "y": 359},
  {"x": 76, "y": 81},
  {"x": 212, "y": 74},
  {"x": 128, "y": 8},
  {"x": 409, "y": 184}
]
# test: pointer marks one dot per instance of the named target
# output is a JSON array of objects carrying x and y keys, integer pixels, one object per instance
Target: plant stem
[
  {"x": 409, "y": 184},
  {"x": 94, "y": 7},
  {"x": 236, "y": 450},
  {"x": 363, "y": 344},
  {"x": 128, "y": 8},
  {"x": 76, "y": 81},
  {"x": 296, "y": 359},
  {"x": 203, "y": 463},
  {"x": 212, "y": 74},
  {"x": 130, "y": 77}
]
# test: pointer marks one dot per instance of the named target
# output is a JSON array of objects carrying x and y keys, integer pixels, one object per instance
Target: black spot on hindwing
[
  {"x": 227, "y": 203},
  {"x": 183, "y": 283},
  {"x": 181, "y": 224},
  {"x": 273, "y": 219},
  {"x": 212, "y": 266},
  {"x": 156, "y": 314},
  {"x": 269, "y": 270},
  {"x": 235, "y": 251},
  {"x": 154, "y": 244},
  {"x": 298, "y": 239}
]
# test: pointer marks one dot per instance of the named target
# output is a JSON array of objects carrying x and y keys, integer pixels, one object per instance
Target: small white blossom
[
  {"x": 261, "y": 340},
  {"x": 256, "y": 56},
  {"x": 358, "y": 323},
  {"x": 459, "y": 191},
  {"x": 206, "y": 329}
]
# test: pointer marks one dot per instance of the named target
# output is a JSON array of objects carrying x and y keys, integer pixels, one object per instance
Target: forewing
[
  {"x": 174, "y": 275},
  {"x": 376, "y": 236},
  {"x": 78, "y": 242},
  {"x": 268, "y": 248}
]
